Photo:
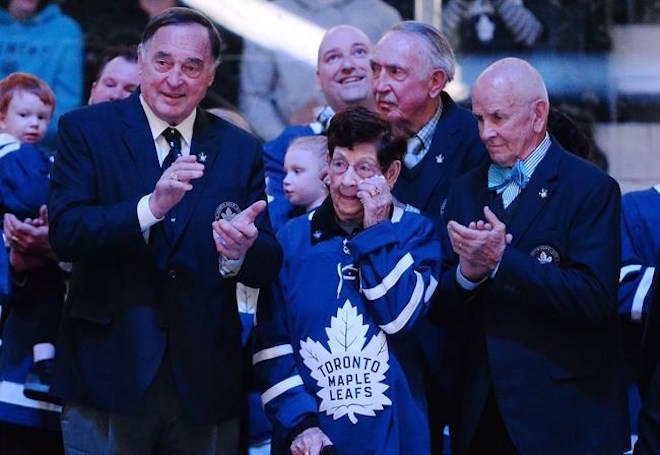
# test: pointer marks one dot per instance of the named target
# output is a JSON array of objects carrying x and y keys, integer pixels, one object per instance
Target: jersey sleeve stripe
[
  {"x": 640, "y": 294},
  {"x": 390, "y": 280},
  {"x": 629, "y": 269},
  {"x": 430, "y": 290},
  {"x": 271, "y": 353},
  {"x": 279, "y": 388},
  {"x": 409, "y": 310}
]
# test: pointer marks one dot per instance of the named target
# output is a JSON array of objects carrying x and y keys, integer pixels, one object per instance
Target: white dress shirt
[{"x": 157, "y": 126}]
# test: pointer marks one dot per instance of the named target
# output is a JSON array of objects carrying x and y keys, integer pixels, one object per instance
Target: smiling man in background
[{"x": 344, "y": 76}]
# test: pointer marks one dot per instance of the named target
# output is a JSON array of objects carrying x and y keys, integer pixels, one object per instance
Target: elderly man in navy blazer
[
  {"x": 412, "y": 64},
  {"x": 536, "y": 266},
  {"x": 160, "y": 208}
]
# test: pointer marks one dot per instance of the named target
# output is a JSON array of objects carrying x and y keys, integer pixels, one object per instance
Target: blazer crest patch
[
  {"x": 226, "y": 211},
  {"x": 545, "y": 254}
]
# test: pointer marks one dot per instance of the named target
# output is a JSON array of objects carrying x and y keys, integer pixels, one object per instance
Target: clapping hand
[
  {"x": 173, "y": 184},
  {"x": 233, "y": 238},
  {"x": 28, "y": 241},
  {"x": 480, "y": 245}
]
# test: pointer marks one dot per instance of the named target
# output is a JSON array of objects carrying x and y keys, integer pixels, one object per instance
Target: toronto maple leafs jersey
[
  {"x": 333, "y": 348},
  {"x": 640, "y": 249}
]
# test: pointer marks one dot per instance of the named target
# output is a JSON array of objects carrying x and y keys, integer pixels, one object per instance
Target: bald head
[
  {"x": 510, "y": 102},
  {"x": 341, "y": 33},
  {"x": 343, "y": 68},
  {"x": 517, "y": 77}
]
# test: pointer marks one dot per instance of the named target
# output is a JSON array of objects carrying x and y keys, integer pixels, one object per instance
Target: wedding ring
[
  {"x": 375, "y": 192},
  {"x": 173, "y": 176}
]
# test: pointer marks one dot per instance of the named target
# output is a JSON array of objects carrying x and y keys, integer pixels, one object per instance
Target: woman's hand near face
[{"x": 374, "y": 193}]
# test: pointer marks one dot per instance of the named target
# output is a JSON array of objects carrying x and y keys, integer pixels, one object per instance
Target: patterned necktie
[
  {"x": 415, "y": 147},
  {"x": 173, "y": 138},
  {"x": 500, "y": 177}
]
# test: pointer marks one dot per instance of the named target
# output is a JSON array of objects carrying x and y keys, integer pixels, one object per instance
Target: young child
[
  {"x": 306, "y": 167},
  {"x": 34, "y": 284},
  {"x": 26, "y": 107}
]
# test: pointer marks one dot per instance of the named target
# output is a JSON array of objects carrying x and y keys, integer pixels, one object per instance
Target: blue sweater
[
  {"x": 23, "y": 190},
  {"x": 50, "y": 46}
]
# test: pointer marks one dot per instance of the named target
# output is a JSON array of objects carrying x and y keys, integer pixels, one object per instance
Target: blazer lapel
[
  {"x": 479, "y": 195},
  {"x": 434, "y": 165},
  {"x": 537, "y": 194},
  {"x": 205, "y": 145},
  {"x": 140, "y": 144}
]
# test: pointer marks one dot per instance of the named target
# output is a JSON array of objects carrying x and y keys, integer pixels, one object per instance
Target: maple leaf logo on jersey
[{"x": 350, "y": 376}]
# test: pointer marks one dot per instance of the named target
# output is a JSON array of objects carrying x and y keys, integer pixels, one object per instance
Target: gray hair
[{"x": 440, "y": 51}]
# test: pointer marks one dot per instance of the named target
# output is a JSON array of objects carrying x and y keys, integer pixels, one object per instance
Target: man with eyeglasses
[
  {"x": 412, "y": 64},
  {"x": 334, "y": 355},
  {"x": 160, "y": 217}
]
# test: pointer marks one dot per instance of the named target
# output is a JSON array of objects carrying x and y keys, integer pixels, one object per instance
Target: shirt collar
[
  {"x": 533, "y": 159},
  {"x": 158, "y": 125},
  {"x": 425, "y": 134},
  {"x": 322, "y": 122},
  {"x": 324, "y": 224}
]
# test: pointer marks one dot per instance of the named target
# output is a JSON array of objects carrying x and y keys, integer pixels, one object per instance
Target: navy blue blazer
[
  {"x": 544, "y": 329},
  {"x": 131, "y": 300},
  {"x": 455, "y": 149}
]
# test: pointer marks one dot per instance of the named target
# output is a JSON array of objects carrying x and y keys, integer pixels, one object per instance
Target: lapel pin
[
  {"x": 202, "y": 157},
  {"x": 439, "y": 158},
  {"x": 317, "y": 234},
  {"x": 172, "y": 220},
  {"x": 543, "y": 193}
]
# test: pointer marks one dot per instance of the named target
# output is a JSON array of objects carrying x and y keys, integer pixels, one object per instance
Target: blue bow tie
[{"x": 499, "y": 177}]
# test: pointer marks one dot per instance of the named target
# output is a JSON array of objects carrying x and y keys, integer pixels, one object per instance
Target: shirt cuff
[
  {"x": 230, "y": 267},
  {"x": 467, "y": 284},
  {"x": 497, "y": 267},
  {"x": 145, "y": 217}
]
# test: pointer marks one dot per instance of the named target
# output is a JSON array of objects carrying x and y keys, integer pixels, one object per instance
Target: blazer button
[{"x": 172, "y": 274}]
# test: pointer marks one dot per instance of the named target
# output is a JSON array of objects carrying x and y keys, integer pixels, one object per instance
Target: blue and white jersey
[
  {"x": 8, "y": 144},
  {"x": 333, "y": 348},
  {"x": 24, "y": 183},
  {"x": 24, "y": 179},
  {"x": 640, "y": 249}
]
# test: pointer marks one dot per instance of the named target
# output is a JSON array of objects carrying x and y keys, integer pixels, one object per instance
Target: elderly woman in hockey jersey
[{"x": 334, "y": 356}]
